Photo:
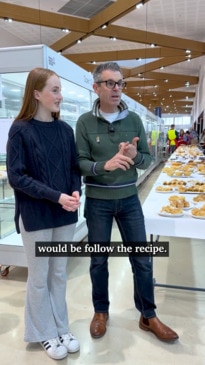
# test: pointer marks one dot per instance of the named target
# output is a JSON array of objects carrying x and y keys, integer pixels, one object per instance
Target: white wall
[{"x": 199, "y": 101}]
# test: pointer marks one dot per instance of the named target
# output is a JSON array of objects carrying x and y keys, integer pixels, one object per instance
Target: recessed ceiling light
[
  {"x": 140, "y": 5},
  {"x": 104, "y": 26},
  {"x": 8, "y": 20},
  {"x": 65, "y": 30}
]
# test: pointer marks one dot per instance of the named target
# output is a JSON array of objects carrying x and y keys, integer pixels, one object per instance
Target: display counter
[
  {"x": 180, "y": 225},
  {"x": 175, "y": 181}
]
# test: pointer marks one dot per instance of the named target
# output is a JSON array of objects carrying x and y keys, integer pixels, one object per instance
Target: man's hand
[
  {"x": 124, "y": 158},
  {"x": 119, "y": 161},
  {"x": 129, "y": 149}
]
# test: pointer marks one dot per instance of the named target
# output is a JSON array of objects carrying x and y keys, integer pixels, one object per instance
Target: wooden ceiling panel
[{"x": 146, "y": 83}]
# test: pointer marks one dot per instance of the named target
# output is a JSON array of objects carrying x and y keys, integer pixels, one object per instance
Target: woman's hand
[{"x": 70, "y": 203}]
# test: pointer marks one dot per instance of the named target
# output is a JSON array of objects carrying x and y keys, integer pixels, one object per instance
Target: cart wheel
[{"x": 5, "y": 271}]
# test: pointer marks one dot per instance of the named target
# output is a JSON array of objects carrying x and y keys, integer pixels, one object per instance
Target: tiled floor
[{"x": 124, "y": 343}]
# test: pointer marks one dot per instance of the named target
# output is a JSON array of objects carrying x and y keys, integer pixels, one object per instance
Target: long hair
[{"x": 36, "y": 80}]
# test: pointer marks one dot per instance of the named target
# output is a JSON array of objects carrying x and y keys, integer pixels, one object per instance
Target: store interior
[{"x": 124, "y": 343}]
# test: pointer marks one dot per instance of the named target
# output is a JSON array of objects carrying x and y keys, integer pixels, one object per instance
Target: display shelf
[{"x": 183, "y": 226}]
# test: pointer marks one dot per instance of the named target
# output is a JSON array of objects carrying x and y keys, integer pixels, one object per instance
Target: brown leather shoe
[
  {"x": 98, "y": 325},
  {"x": 160, "y": 330}
]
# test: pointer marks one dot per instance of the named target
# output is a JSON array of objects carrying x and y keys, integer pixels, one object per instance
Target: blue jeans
[{"x": 99, "y": 214}]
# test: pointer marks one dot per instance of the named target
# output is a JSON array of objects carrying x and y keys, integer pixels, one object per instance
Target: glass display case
[
  {"x": 156, "y": 136},
  {"x": 78, "y": 97}
]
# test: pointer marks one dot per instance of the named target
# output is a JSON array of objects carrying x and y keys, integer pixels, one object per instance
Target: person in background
[
  {"x": 193, "y": 136},
  {"x": 188, "y": 138},
  {"x": 149, "y": 141},
  {"x": 43, "y": 170},
  {"x": 182, "y": 139},
  {"x": 112, "y": 145},
  {"x": 154, "y": 142},
  {"x": 202, "y": 141},
  {"x": 172, "y": 137},
  {"x": 4, "y": 270}
]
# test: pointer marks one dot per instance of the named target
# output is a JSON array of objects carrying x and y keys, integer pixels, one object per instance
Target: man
[
  {"x": 172, "y": 137},
  {"x": 112, "y": 145},
  {"x": 154, "y": 141},
  {"x": 194, "y": 136}
]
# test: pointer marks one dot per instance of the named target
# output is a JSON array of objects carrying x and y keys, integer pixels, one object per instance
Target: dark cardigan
[{"x": 42, "y": 164}]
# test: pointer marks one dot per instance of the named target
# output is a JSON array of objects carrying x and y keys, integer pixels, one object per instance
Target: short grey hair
[{"x": 113, "y": 66}]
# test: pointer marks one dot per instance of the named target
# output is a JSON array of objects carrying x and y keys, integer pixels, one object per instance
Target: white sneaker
[
  {"x": 70, "y": 342},
  {"x": 54, "y": 348}
]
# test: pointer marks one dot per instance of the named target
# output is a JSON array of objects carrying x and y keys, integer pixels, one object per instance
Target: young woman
[
  {"x": 182, "y": 140},
  {"x": 43, "y": 171}
]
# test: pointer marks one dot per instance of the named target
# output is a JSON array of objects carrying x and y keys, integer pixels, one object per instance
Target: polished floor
[{"x": 124, "y": 343}]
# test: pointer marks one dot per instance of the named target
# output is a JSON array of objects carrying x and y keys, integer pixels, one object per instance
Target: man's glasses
[{"x": 111, "y": 84}]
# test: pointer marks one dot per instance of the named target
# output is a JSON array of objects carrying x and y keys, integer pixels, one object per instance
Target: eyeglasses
[{"x": 111, "y": 84}]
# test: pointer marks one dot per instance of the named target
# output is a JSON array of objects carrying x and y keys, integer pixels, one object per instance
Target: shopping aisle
[{"x": 124, "y": 343}]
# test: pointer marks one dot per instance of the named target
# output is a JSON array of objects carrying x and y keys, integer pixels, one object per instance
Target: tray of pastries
[
  {"x": 164, "y": 189},
  {"x": 180, "y": 173},
  {"x": 200, "y": 198},
  {"x": 198, "y": 213},
  {"x": 169, "y": 211},
  {"x": 197, "y": 187},
  {"x": 174, "y": 182},
  {"x": 179, "y": 201}
]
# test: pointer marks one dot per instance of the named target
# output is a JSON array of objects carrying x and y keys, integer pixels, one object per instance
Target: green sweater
[{"x": 96, "y": 144}]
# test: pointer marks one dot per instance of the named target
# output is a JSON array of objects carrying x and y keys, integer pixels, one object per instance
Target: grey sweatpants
[{"x": 46, "y": 314}]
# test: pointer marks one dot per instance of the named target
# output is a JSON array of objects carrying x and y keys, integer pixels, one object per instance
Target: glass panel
[
  {"x": 12, "y": 93},
  {"x": 76, "y": 101}
]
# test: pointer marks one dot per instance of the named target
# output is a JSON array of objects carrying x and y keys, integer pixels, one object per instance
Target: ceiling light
[
  {"x": 65, "y": 30},
  {"x": 9, "y": 20},
  {"x": 113, "y": 38},
  {"x": 140, "y": 5},
  {"x": 79, "y": 41},
  {"x": 152, "y": 45},
  {"x": 104, "y": 26},
  {"x": 188, "y": 51}
]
